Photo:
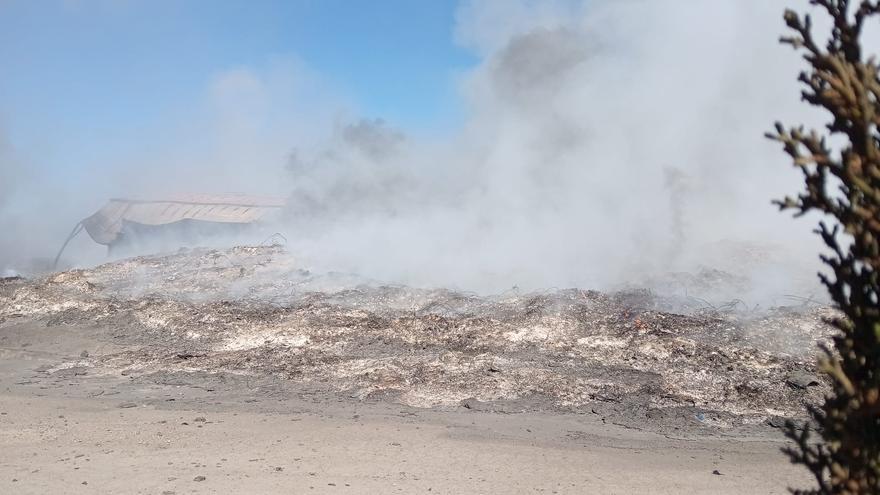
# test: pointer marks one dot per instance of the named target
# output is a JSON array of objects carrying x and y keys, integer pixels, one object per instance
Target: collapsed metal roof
[{"x": 105, "y": 226}]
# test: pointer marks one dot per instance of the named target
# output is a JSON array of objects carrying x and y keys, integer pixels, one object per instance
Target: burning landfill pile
[{"x": 253, "y": 310}]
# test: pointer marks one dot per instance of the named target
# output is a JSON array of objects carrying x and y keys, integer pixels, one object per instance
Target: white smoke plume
[
  {"x": 604, "y": 142},
  {"x": 560, "y": 176}
]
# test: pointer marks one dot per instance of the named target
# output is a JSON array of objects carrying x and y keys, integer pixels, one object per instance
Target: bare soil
[{"x": 239, "y": 366}]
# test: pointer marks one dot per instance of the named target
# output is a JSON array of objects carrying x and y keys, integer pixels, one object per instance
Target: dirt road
[{"x": 82, "y": 431}]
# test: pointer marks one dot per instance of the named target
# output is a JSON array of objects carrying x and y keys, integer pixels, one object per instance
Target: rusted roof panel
[{"x": 106, "y": 224}]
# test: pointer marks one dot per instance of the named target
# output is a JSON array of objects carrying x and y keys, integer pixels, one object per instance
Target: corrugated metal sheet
[{"x": 107, "y": 223}]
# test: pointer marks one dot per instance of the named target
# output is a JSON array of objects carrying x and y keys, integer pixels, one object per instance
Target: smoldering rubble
[{"x": 632, "y": 355}]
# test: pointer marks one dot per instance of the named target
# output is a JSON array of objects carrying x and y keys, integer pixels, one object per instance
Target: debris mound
[{"x": 253, "y": 310}]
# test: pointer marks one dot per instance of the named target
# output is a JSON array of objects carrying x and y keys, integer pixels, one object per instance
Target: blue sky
[{"x": 86, "y": 74}]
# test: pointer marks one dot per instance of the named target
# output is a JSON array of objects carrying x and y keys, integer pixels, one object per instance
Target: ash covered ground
[{"x": 634, "y": 357}]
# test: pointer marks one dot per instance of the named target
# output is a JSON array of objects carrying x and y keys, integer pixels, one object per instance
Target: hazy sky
[{"x": 98, "y": 74}]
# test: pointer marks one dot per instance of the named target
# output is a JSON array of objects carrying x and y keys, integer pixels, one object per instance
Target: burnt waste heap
[{"x": 633, "y": 357}]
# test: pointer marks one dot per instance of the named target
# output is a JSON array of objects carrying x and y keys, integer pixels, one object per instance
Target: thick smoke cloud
[{"x": 605, "y": 142}]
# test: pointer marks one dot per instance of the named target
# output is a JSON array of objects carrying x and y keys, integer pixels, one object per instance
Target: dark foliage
[{"x": 843, "y": 183}]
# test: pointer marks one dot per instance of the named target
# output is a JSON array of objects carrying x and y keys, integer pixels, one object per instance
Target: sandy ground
[
  {"x": 75, "y": 430},
  {"x": 238, "y": 371}
]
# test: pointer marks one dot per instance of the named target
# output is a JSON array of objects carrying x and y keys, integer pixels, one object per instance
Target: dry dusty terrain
[{"x": 238, "y": 366}]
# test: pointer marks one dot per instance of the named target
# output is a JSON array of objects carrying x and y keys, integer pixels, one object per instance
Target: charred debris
[{"x": 631, "y": 355}]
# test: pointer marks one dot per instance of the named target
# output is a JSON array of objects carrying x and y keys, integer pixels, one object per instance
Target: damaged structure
[{"x": 179, "y": 219}]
